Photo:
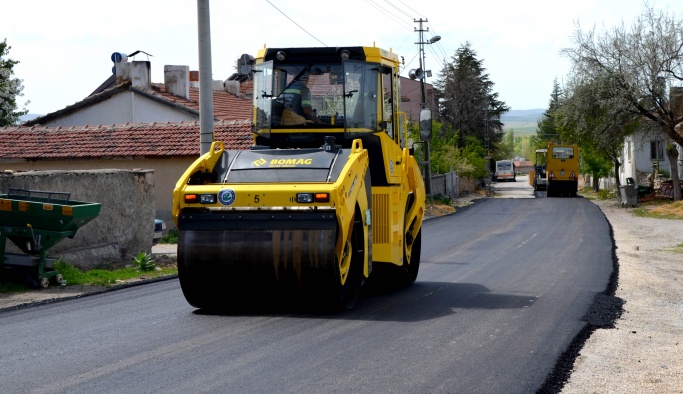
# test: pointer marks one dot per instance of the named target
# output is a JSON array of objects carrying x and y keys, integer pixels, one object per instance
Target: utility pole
[
  {"x": 205, "y": 77},
  {"x": 425, "y": 113}
]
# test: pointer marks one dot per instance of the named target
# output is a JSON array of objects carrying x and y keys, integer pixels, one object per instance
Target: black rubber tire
[
  {"x": 413, "y": 266},
  {"x": 347, "y": 295}
]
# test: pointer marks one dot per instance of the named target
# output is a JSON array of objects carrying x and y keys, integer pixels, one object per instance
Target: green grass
[
  {"x": 677, "y": 249},
  {"x": 97, "y": 277},
  {"x": 102, "y": 277},
  {"x": 589, "y": 194},
  {"x": 171, "y": 238},
  {"x": 647, "y": 213},
  {"x": 9, "y": 287}
]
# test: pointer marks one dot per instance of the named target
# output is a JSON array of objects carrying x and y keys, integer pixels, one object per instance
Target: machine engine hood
[{"x": 286, "y": 165}]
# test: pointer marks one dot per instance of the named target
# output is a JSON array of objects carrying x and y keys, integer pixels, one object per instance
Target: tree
[
  {"x": 547, "y": 128},
  {"x": 10, "y": 89},
  {"x": 526, "y": 148},
  {"x": 596, "y": 119},
  {"x": 468, "y": 103},
  {"x": 640, "y": 62},
  {"x": 506, "y": 148},
  {"x": 594, "y": 164}
]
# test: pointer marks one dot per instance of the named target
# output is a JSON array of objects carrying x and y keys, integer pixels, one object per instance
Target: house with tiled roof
[
  {"x": 131, "y": 97},
  {"x": 130, "y": 122},
  {"x": 168, "y": 148}
]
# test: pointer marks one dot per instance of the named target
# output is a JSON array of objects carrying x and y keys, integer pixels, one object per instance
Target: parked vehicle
[
  {"x": 160, "y": 231},
  {"x": 538, "y": 177},
  {"x": 505, "y": 170}
]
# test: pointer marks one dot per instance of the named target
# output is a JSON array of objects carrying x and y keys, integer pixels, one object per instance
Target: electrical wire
[
  {"x": 398, "y": 9},
  {"x": 314, "y": 37},
  {"x": 407, "y": 6},
  {"x": 438, "y": 43},
  {"x": 388, "y": 13}
]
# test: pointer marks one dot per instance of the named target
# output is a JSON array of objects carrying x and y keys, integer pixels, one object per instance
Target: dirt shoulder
[{"x": 643, "y": 353}]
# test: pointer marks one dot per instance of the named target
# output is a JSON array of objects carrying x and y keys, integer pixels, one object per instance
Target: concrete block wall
[{"x": 125, "y": 225}]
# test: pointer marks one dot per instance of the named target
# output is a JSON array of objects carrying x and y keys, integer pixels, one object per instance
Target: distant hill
[{"x": 522, "y": 121}]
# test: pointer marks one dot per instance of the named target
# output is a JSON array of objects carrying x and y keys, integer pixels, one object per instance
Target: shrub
[{"x": 143, "y": 261}]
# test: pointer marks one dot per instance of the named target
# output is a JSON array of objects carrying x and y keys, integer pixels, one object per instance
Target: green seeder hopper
[{"x": 35, "y": 221}]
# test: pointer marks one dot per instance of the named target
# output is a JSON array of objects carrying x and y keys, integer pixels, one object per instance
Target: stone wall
[{"x": 125, "y": 225}]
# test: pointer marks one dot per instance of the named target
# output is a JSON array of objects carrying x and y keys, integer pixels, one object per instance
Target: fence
[{"x": 452, "y": 185}]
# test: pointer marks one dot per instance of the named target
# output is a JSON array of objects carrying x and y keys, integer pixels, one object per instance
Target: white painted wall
[
  {"x": 636, "y": 156},
  {"x": 125, "y": 107}
]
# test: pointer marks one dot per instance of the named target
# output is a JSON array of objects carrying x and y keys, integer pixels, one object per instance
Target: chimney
[
  {"x": 177, "y": 80},
  {"x": 194, "y": 79},
  {"x": 140, "y": 73},
  {"x": 217, "y": 85},
  {"x": 136, "y": 72},
  {"x": 232, "y": 87}
]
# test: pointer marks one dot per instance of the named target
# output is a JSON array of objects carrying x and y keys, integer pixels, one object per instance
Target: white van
[{"x": 505, "y": 170}]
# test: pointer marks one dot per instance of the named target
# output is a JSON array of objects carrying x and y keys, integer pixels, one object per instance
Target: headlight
[
  {"x": 307, "y": 198},
  {"x": 304, "y": 198}
]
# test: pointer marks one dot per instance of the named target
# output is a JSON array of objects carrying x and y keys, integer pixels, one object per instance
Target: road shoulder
[{"x": 643, "y": 353}]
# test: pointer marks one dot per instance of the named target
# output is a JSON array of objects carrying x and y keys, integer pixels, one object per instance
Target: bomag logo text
[{"x": 290, "y": 162}]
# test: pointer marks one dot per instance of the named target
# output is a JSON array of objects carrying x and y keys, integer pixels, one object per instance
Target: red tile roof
[
  {"x": 226, "y": 106},
  {"x": 130, "y": 139},
  {"x": 524, "y": 163}
]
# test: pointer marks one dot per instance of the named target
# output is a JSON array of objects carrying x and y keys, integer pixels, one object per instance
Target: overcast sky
[{"x": 64, "y": 46}]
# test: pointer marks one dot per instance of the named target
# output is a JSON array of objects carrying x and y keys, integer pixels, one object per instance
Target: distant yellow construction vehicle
[
  {"x": 557, "y": 170},
  {"x": 329, "y": 193}
]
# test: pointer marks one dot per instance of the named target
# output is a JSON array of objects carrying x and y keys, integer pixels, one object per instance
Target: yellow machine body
[
  {"x": 562, "y": 170},
  {"x": 328, "y": 194}
]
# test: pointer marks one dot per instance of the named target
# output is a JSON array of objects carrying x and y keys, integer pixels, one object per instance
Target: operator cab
[{"x": 302, "y": 95}]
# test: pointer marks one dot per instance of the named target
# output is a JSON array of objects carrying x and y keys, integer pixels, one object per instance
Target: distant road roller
[{"x": 328, "y": 195}]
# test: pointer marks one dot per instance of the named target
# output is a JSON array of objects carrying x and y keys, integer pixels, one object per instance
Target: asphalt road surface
[{"x": 503, "y": 289}]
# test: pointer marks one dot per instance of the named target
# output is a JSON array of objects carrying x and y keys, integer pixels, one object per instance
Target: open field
[{"x": 523, "y": 122}]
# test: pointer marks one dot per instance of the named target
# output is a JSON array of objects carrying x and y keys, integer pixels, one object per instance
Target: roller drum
[{"x": 235, "y": 260}]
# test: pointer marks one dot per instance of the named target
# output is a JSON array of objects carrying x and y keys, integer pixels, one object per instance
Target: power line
[
  {"x": 438, "y": 44},
  {"x": 314, "y": 37},
  {"x": 407, "y": 6},
  {"x": 411, "y": 61},
  {"x": 388, "y": 13},
  {"x": 398, "y": 9}
]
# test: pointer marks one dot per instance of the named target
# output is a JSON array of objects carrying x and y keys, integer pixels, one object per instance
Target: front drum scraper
[{"x": 240, "y": 259}]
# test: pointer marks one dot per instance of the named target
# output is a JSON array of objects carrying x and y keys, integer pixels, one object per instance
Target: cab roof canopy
[{"x": 328, "y": 54}]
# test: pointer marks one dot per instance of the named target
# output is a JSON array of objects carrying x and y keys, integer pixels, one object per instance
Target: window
[
  {"x": 656, "y": 150},
  {"x": 563, "y": 153}
]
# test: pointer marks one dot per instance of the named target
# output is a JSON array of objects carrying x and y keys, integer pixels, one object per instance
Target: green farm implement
[{"x": 35, "y": 221}]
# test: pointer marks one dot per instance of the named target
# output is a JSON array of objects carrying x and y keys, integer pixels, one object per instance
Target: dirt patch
[{"x": 643, "y": 353}]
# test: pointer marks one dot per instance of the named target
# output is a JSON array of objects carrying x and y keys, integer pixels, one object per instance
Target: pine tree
[
  {"x": 10, "y": 89},
  {"x": 469, "y": 104},
  {"x": 547, "y": 127}
]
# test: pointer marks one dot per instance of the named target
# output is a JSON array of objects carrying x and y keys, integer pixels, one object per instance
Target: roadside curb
[{"x": 87, "y": 294}]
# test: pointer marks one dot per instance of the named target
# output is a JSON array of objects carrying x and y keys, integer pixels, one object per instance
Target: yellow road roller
[{"x": 328, "y": 195}]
